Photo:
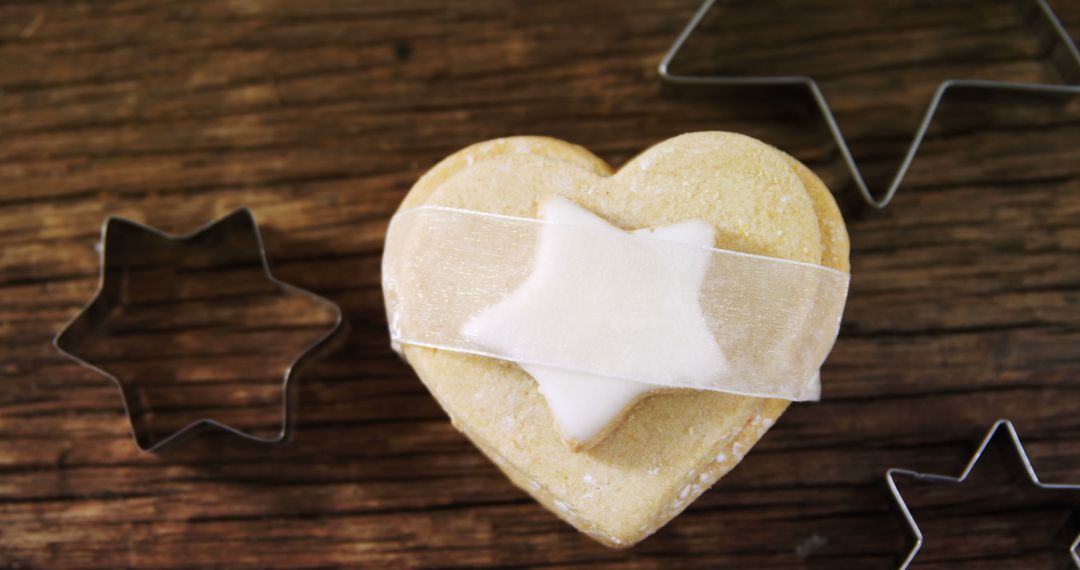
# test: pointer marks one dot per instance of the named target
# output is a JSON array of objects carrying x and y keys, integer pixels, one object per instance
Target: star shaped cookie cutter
[
  {"x": 1002, "y": 425},
  {"x": 231, "y": 242},
  {"x": 1052, "y": 29}
]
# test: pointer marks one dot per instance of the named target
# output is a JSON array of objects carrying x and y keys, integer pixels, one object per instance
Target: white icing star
[{"x": 649, "y": 310}]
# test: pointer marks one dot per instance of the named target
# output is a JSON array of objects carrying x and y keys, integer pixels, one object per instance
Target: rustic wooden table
[{"x": 965, "y": 301}]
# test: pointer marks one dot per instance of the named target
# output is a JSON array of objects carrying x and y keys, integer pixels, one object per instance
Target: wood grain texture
[{"x": 319, "y": 115}]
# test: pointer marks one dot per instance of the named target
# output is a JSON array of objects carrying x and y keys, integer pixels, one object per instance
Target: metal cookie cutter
[
  {"x": 1049, "y": 27},
  {"x": 1017, "y": 447},
  {"x": 165, "y": 301}
]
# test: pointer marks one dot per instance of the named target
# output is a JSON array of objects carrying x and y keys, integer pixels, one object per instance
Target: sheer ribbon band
[{"x": 773, "y": 320}]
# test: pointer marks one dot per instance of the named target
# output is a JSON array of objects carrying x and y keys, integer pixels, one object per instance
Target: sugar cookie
[{"x": 668, "y": 445}]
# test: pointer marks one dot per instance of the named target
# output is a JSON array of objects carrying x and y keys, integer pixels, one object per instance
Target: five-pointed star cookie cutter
[
  {"x": 1002, "y": 425},
  {"x": 1060, "y": 44},
  {"x": 235, "y": 232}
]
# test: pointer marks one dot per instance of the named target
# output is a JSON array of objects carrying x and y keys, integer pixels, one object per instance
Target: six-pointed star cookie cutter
[
  {"x": 1051, "y": 28},
  {"x": 1029, "y": 471},
  {"x": 121, "y": 236}
]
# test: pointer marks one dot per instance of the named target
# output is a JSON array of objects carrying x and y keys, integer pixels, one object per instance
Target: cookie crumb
[{"x": 810, "y": 544}]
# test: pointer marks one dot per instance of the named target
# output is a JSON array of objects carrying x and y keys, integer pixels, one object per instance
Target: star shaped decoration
[
  {"x": 1053, "y": 40},
  {"x": 184, "y": 324},
  {"x": 566, "y": 297},
  {"x": 1001, "y": 429}
]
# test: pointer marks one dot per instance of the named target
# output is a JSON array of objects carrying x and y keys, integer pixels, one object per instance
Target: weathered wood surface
[{"x": 319, "y": 115}]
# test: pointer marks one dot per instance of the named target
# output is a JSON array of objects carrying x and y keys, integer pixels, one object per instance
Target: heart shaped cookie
[{"x": 621, "y": 483}]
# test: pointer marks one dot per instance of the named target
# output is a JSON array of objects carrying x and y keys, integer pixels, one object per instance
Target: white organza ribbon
[{"x": 773, "y": 320}]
